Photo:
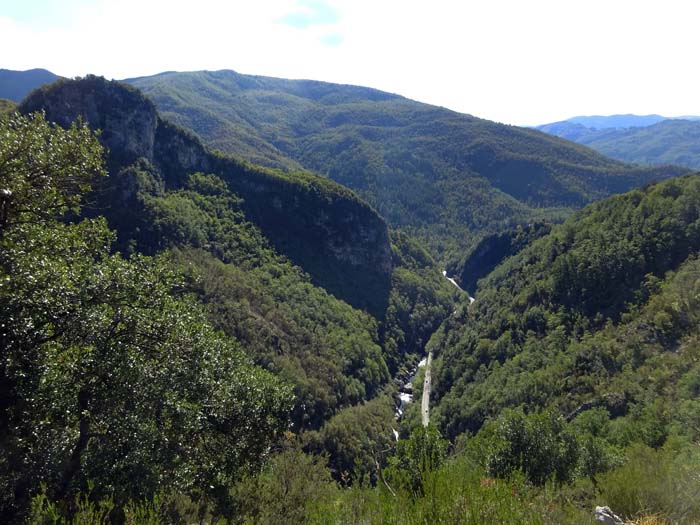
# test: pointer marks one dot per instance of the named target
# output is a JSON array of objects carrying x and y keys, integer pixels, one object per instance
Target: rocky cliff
[
  {"x": 321, "y": 226},
  {"x": 491, "y": 250}
]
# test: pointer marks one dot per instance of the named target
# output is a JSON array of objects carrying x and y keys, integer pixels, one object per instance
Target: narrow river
[{"x": 406, "y": 393}]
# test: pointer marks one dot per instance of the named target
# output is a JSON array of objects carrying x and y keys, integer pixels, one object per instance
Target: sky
[{"x": 522, "y": 62}]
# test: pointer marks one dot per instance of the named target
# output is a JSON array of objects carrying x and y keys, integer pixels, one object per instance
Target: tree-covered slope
[
  {"x": 283, "y": 262},
  {"x": 668, "y": 141},
  {"x": 321, "y": 226},
  {"x": 110, "y": 375},
  {"x": 6, "y": 106},
  {"x": 15, "y": 85},
  {"x": 491, "y": 250},
  {"x": 616, "y": 121},
  {"x": 599, "y": 313},
  {"x": 441, "y": 175}
]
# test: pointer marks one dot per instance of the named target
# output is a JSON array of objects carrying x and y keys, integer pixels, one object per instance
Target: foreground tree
[
  {"x": 423, "y": 452},
  {"x": 540, "y": 445},
  {"x": 109, "y": 374}
]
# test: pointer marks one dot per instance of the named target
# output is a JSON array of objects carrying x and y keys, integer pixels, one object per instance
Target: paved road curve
[{"x": 425, "y": 400}]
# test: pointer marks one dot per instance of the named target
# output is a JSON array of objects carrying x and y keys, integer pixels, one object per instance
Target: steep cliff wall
[{"x": 321, "y": 226}]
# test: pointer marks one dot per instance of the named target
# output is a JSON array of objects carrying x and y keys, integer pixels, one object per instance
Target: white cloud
[{"x": 509, "y": 60}]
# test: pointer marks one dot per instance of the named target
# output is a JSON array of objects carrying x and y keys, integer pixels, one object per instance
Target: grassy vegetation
[
  {"x": 653, "y": 487},
  {"x": 6, "y": 106}
]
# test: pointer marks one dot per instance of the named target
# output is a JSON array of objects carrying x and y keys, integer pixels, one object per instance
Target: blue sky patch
[
  {"x": 311, "y": 13},
  {"x": 333, "y": 39}
]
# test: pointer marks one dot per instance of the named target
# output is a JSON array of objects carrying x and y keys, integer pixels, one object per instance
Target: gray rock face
[
  {"x": 305, "y": 208},
  {"x": 126, "y": 118},
  {"x": 321, "y": 226},
  {"x": 607, "y": 517},
  {"x": 324, "y": 228}
]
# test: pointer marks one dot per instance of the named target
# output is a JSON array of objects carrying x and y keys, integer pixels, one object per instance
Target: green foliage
[
  {"x": 423, "y": 452},
  {"x": 358, "y": 439},
  {"x": 456, "y": 493},
  {"x": 161, "y": 509},
  {"x": 592, "y": 429},
  {"x": 490, "y": 251},
  {"x": 653, "y": 486},
  {"x": 328, "y": 349},
  {"x": 108, "y": 372},
  {"x": 420, "y": 299},
  {"x": 577, "y": 317},
  {"x": 322, "y": 345},
  {"x": 6, "y": 107},
  {"x": 441, "y": 176},
  {"x": 539, "y": 445},
  {"x": 84, "y": 511},
  {"x": 45, "y": 169},
  {"x": 662, "y": 482},
  {"x": 285, "y": 491}
]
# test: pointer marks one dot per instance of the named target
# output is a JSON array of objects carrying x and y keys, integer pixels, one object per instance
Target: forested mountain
[
  {"x": 321, "y": 226},
  {"x": 492, "y": 249},
  {"x": 295, "y": 272},
  {"x": 15, "y": 85},
  {"x": 615, "y": 121},
  {"x": 190, "y": 338},
  {"x": 6, "y": 106},
  {"x": 600, "y": 314},
  {"x": 666, "y": 141},
  {"x": 442, "y": 176}
]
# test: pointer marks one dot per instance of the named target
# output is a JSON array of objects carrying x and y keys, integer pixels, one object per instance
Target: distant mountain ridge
[
  {"x": 617, "y": 121},
  {"x": 627, "y": 120},
  {"x": 15, "y": 85},
  {"x": 648, "y": 140},
  {"x": 443, "y": 176}
]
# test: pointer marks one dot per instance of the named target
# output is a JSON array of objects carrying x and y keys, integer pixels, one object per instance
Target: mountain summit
[
  {"x": 15, "y": 85},
  {"x": 651, "y": 139}
]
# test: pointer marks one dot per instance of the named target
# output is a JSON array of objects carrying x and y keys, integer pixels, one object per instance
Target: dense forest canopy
[
  {"x": 441, "y": 176},
  {"x": 576, "y": 316},
  {"x": 110, "y": 372},
  {"x": 189, "y": 338}
]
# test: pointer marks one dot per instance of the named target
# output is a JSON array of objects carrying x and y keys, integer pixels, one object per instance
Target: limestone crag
[
  {"x": 607, "y": 517},
  {"x": 321, "y": 226},
  {"x": 126, "y": 118}
]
